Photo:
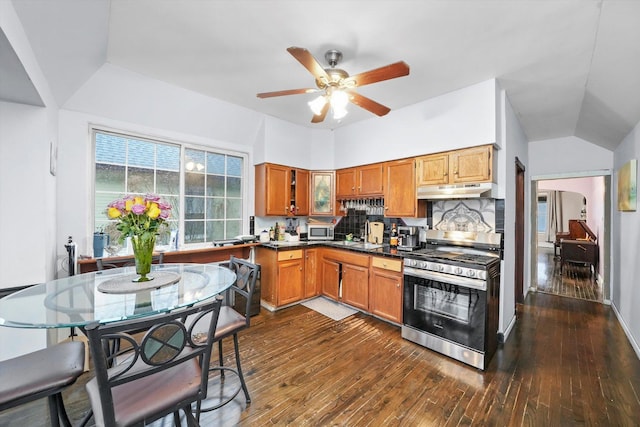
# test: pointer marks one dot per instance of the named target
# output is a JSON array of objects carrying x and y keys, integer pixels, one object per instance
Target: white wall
[
  {"x": 459, "y": 119},
  {"x": 564, "y": 157},
  {"x": 515, "y": 146},
  {"x": 625, "y": 292},
  {"x": 27, "y": 190}
]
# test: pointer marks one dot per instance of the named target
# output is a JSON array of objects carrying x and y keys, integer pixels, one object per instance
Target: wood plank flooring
[
  {"x": 575, "y": 280},
  {"x": 567, "y": 362}
]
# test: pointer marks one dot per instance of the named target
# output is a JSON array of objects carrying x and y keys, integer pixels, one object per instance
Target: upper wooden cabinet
[
  {"x": 456, "y": 167},
  {"x": 360, "y": 181},
  {"x": 281, "y": 190},
  {"x": 322, "y": 193},
  {"x": 400, "y": 190}
]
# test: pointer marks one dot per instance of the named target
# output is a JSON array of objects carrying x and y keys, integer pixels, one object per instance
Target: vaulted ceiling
[{"x": 569, "y": 67}]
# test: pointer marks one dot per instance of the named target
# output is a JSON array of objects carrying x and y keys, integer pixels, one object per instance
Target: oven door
[{"x": 450, "y": 307}]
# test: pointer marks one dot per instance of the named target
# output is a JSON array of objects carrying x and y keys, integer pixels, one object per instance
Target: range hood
[{"x": 458, "y": 191}]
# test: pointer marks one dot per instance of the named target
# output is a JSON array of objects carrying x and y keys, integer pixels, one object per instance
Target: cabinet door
[
  {"x": 400, "y": 189},
  {"x": 345, "y": 183},
  {"x": 370, "y": 179},
  {"x": 330, "y": 278},
  {"x": 277, "y": 191},
  {"x": 301, "y": 191},
  {"x": 385, "y": 299},
  {"x": 322, "y": 189},
  {"x": 432, "y": 169},
  {"x": 471, "y": 165},
  {"x": 355, "y": 286},
  {"x": 311, "y": 273},
  {"x": 290, "y": 281}
]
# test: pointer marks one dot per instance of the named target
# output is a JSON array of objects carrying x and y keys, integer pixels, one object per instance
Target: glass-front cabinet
[{"x": 322, "y": 193}]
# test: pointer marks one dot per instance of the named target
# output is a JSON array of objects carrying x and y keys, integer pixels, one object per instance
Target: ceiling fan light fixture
[
  {"x": 318, "y": 104},
  {"x": 339, "y": 101}
]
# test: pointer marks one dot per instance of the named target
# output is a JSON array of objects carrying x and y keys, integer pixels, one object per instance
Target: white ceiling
[{"x": 569, "y": 67}]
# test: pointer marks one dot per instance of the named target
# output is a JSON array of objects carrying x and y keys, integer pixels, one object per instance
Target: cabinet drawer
[
  {"x": 287, "y": 255},
  {"x": 387, "y": 263}
]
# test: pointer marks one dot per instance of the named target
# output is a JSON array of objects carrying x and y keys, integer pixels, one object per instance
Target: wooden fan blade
[
  {"x": 308, "y": 61},
  {"x": 368, "y": 104},
  {"x": 387, "y": 72},
  {"x": 320, "y": 117},
  {"x": 285, "y": 92}
]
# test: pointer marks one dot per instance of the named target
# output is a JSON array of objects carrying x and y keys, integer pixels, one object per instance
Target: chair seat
[
  {"x": 230, "y": 321},
  {"x": 57, "y": 366},
  {"x": 141, "y": 399}
]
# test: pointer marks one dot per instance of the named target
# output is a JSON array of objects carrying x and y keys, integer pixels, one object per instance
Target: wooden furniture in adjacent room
[
  {"x": 579, "y": 251},
  {"x": 578, "y": 245}
]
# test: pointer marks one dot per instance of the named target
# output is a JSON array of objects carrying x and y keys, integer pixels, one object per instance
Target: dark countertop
[{"x": 366, "y": 248}]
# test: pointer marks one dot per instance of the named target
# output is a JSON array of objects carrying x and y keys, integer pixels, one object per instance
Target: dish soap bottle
[{"x": 393, "y": 236}]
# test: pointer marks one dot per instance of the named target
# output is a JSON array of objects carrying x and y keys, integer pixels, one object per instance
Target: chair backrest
[
  {"x": 166, "y": 344},
  {"x": 127, "y": 262},
  {"x": 245, "y": 284}
]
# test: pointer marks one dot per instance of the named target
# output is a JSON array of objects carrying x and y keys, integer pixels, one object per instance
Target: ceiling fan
[{"x": 337, "y": 87}]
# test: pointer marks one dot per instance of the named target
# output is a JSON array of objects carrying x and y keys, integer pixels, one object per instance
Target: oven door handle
[{"x": 468, "y": 282}]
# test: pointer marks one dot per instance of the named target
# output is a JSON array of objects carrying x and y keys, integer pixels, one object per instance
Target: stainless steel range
[{"x": 451, "y": 295}]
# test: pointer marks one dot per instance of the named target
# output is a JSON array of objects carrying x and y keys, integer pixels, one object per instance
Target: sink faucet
[{"x": 365, "y": 235}]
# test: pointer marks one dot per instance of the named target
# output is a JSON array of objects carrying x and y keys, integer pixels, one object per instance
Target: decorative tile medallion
[{"x": 465, "y": 215}]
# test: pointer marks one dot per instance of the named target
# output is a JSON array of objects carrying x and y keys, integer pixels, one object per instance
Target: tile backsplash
[{"x": 464, "y": 215}]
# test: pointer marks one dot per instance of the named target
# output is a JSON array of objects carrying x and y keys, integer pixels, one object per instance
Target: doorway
[{"x": 557, "y": 203}]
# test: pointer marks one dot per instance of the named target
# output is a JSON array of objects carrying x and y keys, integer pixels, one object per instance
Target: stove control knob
[
  {"x": 441, "y": 267},
  {"x": 409, "y": 262},
  {"x": 471, "y": 273},
  {"x": 424, "y": 265},
  {"x": 458, "y": 271}
]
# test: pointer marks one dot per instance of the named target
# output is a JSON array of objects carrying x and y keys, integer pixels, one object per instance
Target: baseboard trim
[
  {"x": 504, "y": 336},
  {"x": 626, "y": 330}
]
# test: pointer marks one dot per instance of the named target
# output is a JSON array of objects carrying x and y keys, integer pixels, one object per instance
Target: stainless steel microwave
[{"x": 320, "y": 231}]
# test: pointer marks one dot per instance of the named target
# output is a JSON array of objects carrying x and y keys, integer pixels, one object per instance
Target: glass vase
[{"x": 143, "y": 246}]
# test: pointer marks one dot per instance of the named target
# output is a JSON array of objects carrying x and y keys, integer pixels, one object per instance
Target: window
[
  {"x": 542, "y": 213},
  {"x": 204, "y": 187}
]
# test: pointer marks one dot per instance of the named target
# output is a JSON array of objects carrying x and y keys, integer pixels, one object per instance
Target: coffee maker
[{"x": 408, "y": 238}]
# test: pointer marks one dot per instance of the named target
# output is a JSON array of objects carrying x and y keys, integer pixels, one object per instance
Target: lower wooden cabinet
[
  {"x": 311, "y": 273},
  {"x": 282, "y": 276},
  {"x": 355, "y": 286},
  {"x": 385, "y": 288},
  {"x": 290, "y": 280},
  {"x": 330, "y": 278},
  {"x": 372, "y": 284}
]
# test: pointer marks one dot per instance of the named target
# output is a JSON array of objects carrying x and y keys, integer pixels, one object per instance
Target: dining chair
[
  {"x": 231, "y": 322},
  {"x": 42, "y": 373},
  {"x": 160, "y": 372}
]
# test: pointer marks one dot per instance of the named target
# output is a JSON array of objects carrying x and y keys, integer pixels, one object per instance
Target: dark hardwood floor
[
  {"x": 566, "y": 362},
  {"x": 573, "y": 280}
]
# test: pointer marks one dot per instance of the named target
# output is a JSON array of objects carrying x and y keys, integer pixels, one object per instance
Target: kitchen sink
[
  {"x": 360, "y": 245},
  {"x": 284, "y": 243}
]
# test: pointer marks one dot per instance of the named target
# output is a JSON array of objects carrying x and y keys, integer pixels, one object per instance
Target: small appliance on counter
[
  {"x": 408, "y": 238},
  {"x": 291, "y": 236},
  {"x": 320, "y": 231}
]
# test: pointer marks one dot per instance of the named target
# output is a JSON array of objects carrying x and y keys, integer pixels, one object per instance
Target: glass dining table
[{"x": 111, "y": 295}]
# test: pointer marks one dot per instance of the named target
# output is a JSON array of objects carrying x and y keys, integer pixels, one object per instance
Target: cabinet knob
[{"x": 397, "y": 285}]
